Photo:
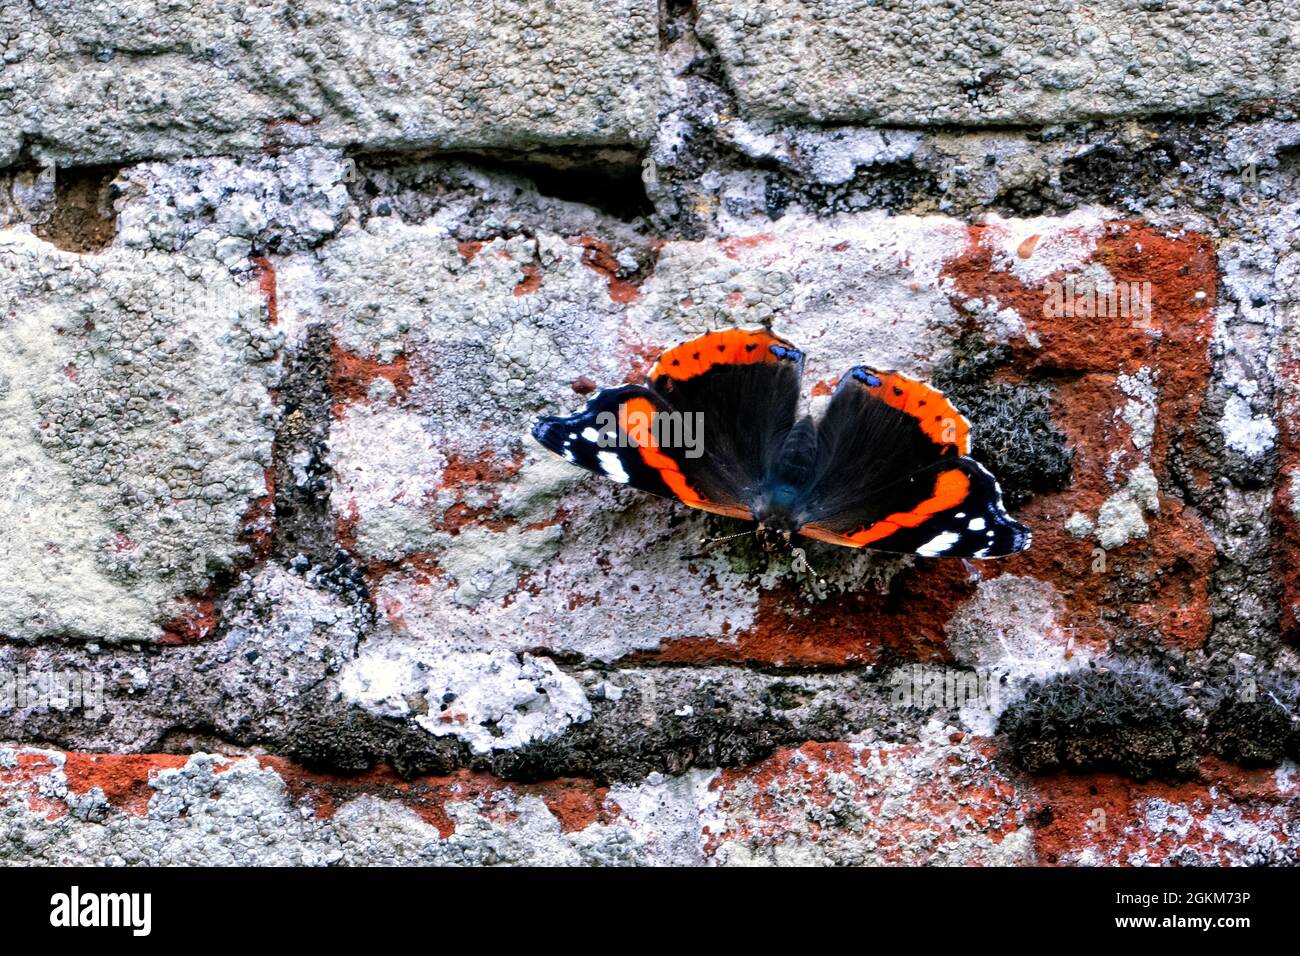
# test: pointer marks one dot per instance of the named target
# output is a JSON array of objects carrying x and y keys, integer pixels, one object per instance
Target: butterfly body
[
  {"x": 716, "y": 426},
  {"x": 778, "y": 500}
]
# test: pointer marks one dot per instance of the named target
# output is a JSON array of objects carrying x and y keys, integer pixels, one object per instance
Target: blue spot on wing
[{"x": 864, "y": 375}]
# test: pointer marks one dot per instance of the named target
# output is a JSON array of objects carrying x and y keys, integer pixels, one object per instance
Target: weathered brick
[
  {"x": 139, "y": 423},
  {"x": 140, "y": 80},
  {"x": 1230, "y": 817},
  {"x": 935, "y": 803},
  {"x": 1038, "y": 63}
]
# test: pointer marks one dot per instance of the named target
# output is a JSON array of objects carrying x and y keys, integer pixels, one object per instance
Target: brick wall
[{"x": 283, "y": 579}]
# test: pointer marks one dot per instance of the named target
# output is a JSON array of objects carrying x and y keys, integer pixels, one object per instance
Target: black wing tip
[
  {"x": 1010, "y": 538},
  {"x": 549, "y": 431}
]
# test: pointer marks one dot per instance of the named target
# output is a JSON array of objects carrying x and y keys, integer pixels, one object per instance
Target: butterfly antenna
[
  {"x": 801, "y": 565},
  {"x": 707, "y": 542},
  {"x": 816, "y": 583}
]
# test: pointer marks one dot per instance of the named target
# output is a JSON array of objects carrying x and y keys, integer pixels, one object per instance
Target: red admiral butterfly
[{"x": 716, "y": 426}]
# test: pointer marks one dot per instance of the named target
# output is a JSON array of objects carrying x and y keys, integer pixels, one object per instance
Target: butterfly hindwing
[
  {"x": 892, "y": 475},
  {"x": 959, "y": 514}
]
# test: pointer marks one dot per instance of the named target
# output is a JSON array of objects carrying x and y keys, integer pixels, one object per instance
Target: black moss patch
[
  {"x": 1120, "y": 175},
  {"x": 619, "y": 744},
  {"x": 1124, "y": 717},
  {"x": 895, "y": 187},
  {"x": 678, "y": 728},
  {"x": 341, "y": 739},
  {"x": 304, "y": 522},
  {"x": 1014, "y": 436},
  {"x": 1256, "y": 721},
  {"x": 609, "y": 753}
]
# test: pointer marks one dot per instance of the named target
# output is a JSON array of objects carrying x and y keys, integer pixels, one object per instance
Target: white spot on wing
[
  {"x": 938, "y": 544},
  {"x": 611, "y": 466},
  {"x": 976, "y": 524},
  {"x": 590, "y": 434}
]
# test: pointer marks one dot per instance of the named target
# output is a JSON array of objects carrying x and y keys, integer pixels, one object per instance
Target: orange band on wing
[
  {"x": 942, "y": 423},
  {"x": 634, "y": 418},
  {"x": 950, "y": 490},
  {"x": 728, "y": 347}
]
